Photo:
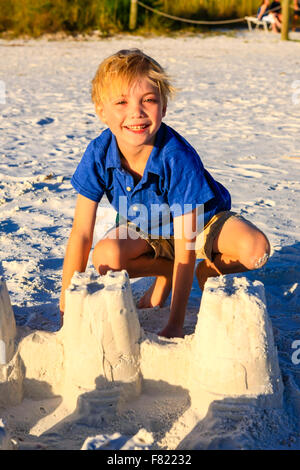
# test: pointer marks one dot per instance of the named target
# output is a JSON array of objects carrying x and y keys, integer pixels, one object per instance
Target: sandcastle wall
[
  {"x": 7, "y": 326},
  {"x": 101, "y": 351},
  {"x": 234, "y": 354}
]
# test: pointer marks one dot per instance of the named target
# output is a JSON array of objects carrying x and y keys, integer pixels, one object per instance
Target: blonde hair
[{"x": 122, "y": 69}]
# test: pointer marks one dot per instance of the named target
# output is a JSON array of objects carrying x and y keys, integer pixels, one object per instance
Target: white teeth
[{"x": 137, "y": 128}]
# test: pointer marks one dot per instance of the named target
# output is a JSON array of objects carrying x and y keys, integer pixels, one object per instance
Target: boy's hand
[
  {"x": 183, "y": 272},
  {"x": 171, "y": 331}
]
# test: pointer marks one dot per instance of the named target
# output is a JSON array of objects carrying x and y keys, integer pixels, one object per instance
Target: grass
[{"x": 35, "y": 17}]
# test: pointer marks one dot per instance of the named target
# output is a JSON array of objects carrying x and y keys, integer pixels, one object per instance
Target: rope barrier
[{"x": 186, "y": 20}]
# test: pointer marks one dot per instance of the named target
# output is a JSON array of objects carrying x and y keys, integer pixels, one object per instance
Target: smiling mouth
[{"x": 137, "y": 128}]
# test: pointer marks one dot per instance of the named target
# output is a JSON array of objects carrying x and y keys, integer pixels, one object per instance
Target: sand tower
[
  {"x": 101, "y": 356},
  {"x": 233, "y": 353}
]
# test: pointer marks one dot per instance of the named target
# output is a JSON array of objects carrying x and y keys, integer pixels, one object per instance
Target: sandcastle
[{"x": 101, "y": 356}]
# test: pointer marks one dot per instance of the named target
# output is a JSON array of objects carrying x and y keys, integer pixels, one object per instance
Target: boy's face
[{"x": 135, "y": 116}]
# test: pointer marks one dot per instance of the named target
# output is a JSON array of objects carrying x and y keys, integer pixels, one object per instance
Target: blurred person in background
[
  {"x": 296, "y": 16},
  {"x": 271, "y": 14}
]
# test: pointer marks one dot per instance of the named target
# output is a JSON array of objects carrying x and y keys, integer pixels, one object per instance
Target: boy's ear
[
  {"x": 100, "y": 112},
  {"x": 164, "y": 110}
]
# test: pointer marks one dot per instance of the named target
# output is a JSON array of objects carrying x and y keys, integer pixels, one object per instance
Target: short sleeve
[
  {"x": 188, "y": 186},
  {"x": 88, "y": 179}
]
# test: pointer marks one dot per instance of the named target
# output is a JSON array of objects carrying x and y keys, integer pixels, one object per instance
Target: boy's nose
[{"x": 137, "y": 111}]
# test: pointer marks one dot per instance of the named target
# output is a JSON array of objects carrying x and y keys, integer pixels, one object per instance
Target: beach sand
[{"x": 239, "y": 105}]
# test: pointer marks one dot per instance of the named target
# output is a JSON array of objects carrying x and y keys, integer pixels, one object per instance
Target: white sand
[
  {"x": 102, "y": 363},
  {"x": 236, "y": 107}
]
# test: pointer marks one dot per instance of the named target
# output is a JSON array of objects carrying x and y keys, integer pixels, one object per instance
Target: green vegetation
[{"x": 35, "y": 17}]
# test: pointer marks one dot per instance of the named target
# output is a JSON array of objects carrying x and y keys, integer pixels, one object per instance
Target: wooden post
[
  {"x": 133, "y": 14},
  {"x": 285, "y": 20}
]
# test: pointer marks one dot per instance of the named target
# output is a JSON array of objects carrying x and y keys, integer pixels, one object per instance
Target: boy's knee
[
  {"x": 265, "y": 252},
  {"x": 255, "y": 251},
  {"x": 107, "y": 256}
]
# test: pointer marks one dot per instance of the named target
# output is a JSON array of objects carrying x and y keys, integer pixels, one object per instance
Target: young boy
[{"x": 144, "y": 163}]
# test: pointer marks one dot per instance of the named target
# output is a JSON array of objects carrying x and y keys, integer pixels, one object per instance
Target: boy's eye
[
  {"x": 121, "y": 102},
  {"x": 151, "y": 100}
]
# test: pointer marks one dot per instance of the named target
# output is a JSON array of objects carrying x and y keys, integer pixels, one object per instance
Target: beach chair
[{"x": 256, "y": 22}]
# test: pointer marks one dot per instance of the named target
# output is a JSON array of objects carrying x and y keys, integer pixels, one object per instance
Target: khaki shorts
[{"x": 164, "y": 247}]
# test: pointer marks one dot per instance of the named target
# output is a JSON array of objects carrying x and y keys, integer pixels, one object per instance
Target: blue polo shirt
[{"x": 174, "y": 182}]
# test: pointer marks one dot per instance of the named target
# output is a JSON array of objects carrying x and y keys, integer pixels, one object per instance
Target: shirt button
[{"x": 128, "y": 188}]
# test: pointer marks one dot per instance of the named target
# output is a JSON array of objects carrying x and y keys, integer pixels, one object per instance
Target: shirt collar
[
  {"x": 153, "y": 164},
  {"x": 113, "y": 157}
]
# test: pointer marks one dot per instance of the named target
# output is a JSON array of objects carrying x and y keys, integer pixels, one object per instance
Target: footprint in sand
[
  {"x": 44, "y": 121},
  {"x": 265, "y": 203}
]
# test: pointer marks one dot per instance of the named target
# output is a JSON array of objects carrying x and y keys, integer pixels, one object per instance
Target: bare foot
[
  {"x": 157, "y": 294},
  {"x": 204, "y": 270},
  {"x": 61, "y": 318},
  {"x": 171, "y": 331},
  {"x": 201, "y": 279}
]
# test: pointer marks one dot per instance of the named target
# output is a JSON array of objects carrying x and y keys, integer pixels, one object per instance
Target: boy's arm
[
  {"x": 183, "y": 273},
  {"x": 79, "y": 244}
]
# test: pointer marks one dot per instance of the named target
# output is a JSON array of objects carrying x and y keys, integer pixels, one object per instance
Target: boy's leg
[
  {"x": 239, "y": 246},
  {"x": 158, "y": 292},
  {"x": 136, "y": 256}
]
